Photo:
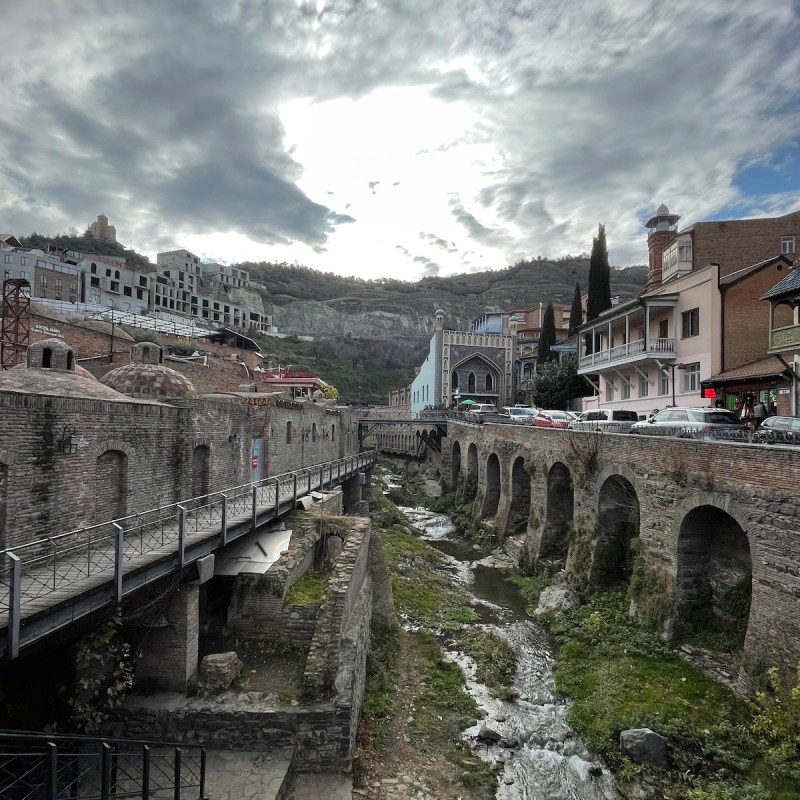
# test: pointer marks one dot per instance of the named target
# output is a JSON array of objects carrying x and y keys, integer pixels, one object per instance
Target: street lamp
[{"x": 673, "y": 367}]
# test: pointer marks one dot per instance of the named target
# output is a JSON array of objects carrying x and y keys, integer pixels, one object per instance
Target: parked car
[
  {"x": 778, "y": 430},
  {"x": 481, "y": 412},
  {"x": 693, "y": 423},
  {"x": 519, "y": 415},
  {"x": 556, "y": 417},
  {"x": 611, "y": 420}
]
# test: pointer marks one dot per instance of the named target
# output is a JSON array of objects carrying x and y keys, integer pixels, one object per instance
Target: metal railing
[
  {"x": 57, "y": 767},
  {"x": 31, "y": 572}
]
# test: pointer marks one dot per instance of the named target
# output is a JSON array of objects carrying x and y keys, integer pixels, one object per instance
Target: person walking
[{"x": 759, "y": 414}]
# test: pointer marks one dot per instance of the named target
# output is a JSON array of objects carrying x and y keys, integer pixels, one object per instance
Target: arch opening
[
  {"x": 455, "y": 466},
  {"x": 471, "y": 483},
  {"x": 491, "y": 498},
  {"x": 558, "y": 516},
  {"x": 520, "y": 507},
  {"x": 713, "y": 589},
  {"x": 618, "y": 525},
  {"x": 111, "y": 494}
]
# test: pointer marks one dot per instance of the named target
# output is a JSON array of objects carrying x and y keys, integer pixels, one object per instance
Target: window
[
  {"x": 663, "y": 384},
  {"x": 691, "y": 378},
  {"x": 58, "y": 283},
  {"x": 609, "y": 391},
  {"x": 8, "y": 259},
  {"x": 787, "y": 245},
  {"x": 58, "y": 295},
  {"x": 23, "y": 274},
  {"x": 626, "y": 389},
  {"x": 23, "y": 261},
  {"x": 94, "y": 269},
  {"x": 73, "y": 286},
  {"x": 43, "y": 280},
  {"x": 94, "y": 282},
  {"x": 42, "y": 292},
  {"x": 108, "y": 273},
  {"x": 644, "y": 384},
  {"x": 690, "y": 323},
  {"x": 126, "y": 290},
  {"x": 663, "y": 329}
]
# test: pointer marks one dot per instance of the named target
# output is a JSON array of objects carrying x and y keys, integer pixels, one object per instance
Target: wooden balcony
[{"x": 782, "y": 340}]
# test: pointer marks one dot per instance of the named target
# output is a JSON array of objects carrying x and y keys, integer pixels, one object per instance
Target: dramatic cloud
[{"x": 330, "y": 132}]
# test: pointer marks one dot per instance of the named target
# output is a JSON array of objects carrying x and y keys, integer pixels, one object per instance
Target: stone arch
[
  {"x": 289, "y": 432},
  {"x": 520, "y": 507},
  {"x": 455, "y": 465},
  {"x": 559, "y": 514},
  {"x": 714, "y": 574},
  {"x": 314, "y": 432},
  {"x": 111, "y": 485},
  {"x": 201, "y": 470},
  {"x": 617, "y": 526},
  {"x": 471, "y": 483},
  {"x": 491, "y": 496}
]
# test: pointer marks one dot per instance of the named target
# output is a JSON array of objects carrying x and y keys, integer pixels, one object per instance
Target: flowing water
[{"x": 542, "y": 758}]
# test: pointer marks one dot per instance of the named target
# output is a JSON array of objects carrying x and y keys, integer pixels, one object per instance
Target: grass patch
[
  {"x": 530, "y": 587},
  {"x": 621, "y": 676},
  {"x": 310, "y": 589},
  {"x": 495, "y": 660}
]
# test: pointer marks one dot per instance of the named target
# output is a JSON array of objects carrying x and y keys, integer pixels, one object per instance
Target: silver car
[{"x": 693, "y": 423}]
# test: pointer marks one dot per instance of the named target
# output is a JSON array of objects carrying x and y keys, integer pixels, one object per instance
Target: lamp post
[{"x": 673, "y": 367}]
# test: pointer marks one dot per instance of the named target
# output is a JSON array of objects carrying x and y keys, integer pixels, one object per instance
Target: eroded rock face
[
  {"x": 556, "y": 599},
  {"x": 644, "y": 746},
  {"x": 219, "y": 670}
]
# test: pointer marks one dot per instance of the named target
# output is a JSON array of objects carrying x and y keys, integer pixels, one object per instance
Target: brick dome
[{"x": 149, "y": 382}]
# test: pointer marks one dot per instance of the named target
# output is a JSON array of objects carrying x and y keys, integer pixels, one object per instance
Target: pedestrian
[{"x": 759, "y": 413}]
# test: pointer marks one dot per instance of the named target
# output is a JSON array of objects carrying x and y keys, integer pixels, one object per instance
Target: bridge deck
[{"x": 52, "y": 582}]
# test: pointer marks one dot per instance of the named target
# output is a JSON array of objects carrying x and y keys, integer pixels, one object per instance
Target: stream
[{"x": 549, "y": 761}]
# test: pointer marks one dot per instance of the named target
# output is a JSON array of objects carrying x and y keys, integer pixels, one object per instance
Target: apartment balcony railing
[
  {"x": 628, "y": 352},
  {"x": 783, "y": 339}
]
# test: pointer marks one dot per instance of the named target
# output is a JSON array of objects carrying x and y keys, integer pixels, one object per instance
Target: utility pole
[{"x": 111, "y": 351}]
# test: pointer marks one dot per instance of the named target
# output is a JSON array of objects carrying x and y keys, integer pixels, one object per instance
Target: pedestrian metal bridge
[{"x": 50, "y": 583}]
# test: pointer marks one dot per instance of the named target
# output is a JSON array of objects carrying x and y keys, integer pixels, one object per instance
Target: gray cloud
[{"x": 167, "y": 117}]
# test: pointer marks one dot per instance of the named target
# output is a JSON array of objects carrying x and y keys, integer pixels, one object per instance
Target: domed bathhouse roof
[
  {"x": 51, "y": 370},
  {"x": 147, "y": 378}
]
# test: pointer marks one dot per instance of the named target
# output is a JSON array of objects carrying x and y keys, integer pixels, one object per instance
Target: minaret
[{"x": 663, "y": 229}]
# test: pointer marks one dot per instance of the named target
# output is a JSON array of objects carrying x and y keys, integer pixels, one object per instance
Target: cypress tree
[
  {"x": 547, "y": 336},
  {"x": 599, "y": 277},
  {"x": 576, "y": 312}
]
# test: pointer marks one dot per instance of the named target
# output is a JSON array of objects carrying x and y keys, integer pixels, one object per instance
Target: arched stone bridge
[{"x": 717, "y": 523}]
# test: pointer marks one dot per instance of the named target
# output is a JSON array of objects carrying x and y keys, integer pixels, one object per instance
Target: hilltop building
[{"x": 100, "y": 229}]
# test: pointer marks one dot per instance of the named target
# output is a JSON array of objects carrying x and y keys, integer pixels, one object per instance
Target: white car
[{"x": 518, "y": 415}]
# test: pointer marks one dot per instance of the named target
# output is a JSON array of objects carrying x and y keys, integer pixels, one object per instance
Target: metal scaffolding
[{"x": 16, "y": 329}]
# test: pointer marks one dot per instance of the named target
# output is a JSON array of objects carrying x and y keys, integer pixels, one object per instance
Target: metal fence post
[
  {"x": 14, "y": 605},
  {"x": 182, "y": 536},
  {"x": 146, "y": 772},
  {"x": 118, "y": 559},
  {"x": 277, "y": 495},
  {"x": 51, "y": 777},
  {"x": 224, "y": 519},
  {"x": 255, "y": 500},
  {"x": 294, "y": 505},
  {"x": 177, "y": 773},
  {"x": 321, "y": 477},
  {"x": 202, "y": 794},
  {"x": 105, "y": 771}
]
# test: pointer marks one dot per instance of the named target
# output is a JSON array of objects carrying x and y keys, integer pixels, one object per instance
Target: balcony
[
  {"x": 782, "y": 340},
  {"x": 628, "y": 353}
]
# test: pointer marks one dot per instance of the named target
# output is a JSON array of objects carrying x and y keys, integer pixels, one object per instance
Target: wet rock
[
  {"x": 500, "y": 718},
  {"x": 555, "y": 599},
  {"x": 509, "y": 742},
  {"x": 486, "y": 734},
  {"x": 595, "y": 770},
  {"x": 644, "y": 746}
]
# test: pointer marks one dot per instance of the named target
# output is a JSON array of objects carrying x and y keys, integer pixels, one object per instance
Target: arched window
[
  {"x": 454, "y": 381},
  {"x": 314, "y": 433},
  {"x": 471, "y": 384},
  {"x": 489, "y": 387},
  {"x": 333, "y": 432},
  {"x": 70, "y": 360},
  {"x": 146, "y": 354}
]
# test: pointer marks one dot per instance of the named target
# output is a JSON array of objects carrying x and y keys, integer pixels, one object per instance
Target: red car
[{"x": 553, "y": 419}]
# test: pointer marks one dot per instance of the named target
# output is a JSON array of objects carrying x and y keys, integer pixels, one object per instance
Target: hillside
[{"x": 317, "y": 303}]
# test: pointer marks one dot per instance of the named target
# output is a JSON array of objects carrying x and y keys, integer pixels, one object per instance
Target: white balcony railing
[{"x": 626, "y": 352}]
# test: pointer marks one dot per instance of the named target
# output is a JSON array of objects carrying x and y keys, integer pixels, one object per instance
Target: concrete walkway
[
  {"x": 321, "y": 787},
  {"x": 232, "y": 775}
]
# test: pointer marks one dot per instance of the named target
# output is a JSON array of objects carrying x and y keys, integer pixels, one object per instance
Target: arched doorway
[
  {"x": 492, "y": 496},
  {"x": 558, "y": 515},
  {"x": 618, "y": 524},
  {"x": 201, "y": 470},
  {"x": 520, "y": 497},
  {"x": 713, "y": 589},
  {"x": 111, "y": 486}
]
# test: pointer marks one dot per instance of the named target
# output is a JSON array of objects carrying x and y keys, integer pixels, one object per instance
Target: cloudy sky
[{"x": 395, "y": 138}]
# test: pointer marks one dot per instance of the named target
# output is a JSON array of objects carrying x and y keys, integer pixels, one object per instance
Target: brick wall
[
  {"x": 745, "y": 329},
  {"x": 737, "y": 244},
  {"x": 758, "y": 487}
]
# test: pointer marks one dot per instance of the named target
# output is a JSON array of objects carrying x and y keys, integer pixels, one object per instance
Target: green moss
[
  {"x": 495, "y": 660},
  {"x": 310, "y": 589},
  {"x": 530, "y": 587}
]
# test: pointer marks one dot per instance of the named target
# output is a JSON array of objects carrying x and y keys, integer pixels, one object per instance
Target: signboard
[
  {"x": 709, "y": 392},
  {"x": 255, "y": 462}
]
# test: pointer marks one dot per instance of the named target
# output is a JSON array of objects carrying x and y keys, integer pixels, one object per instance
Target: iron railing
[
  {"x": 30, "y": 574},
  {"x": 37, "y": 766}
]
